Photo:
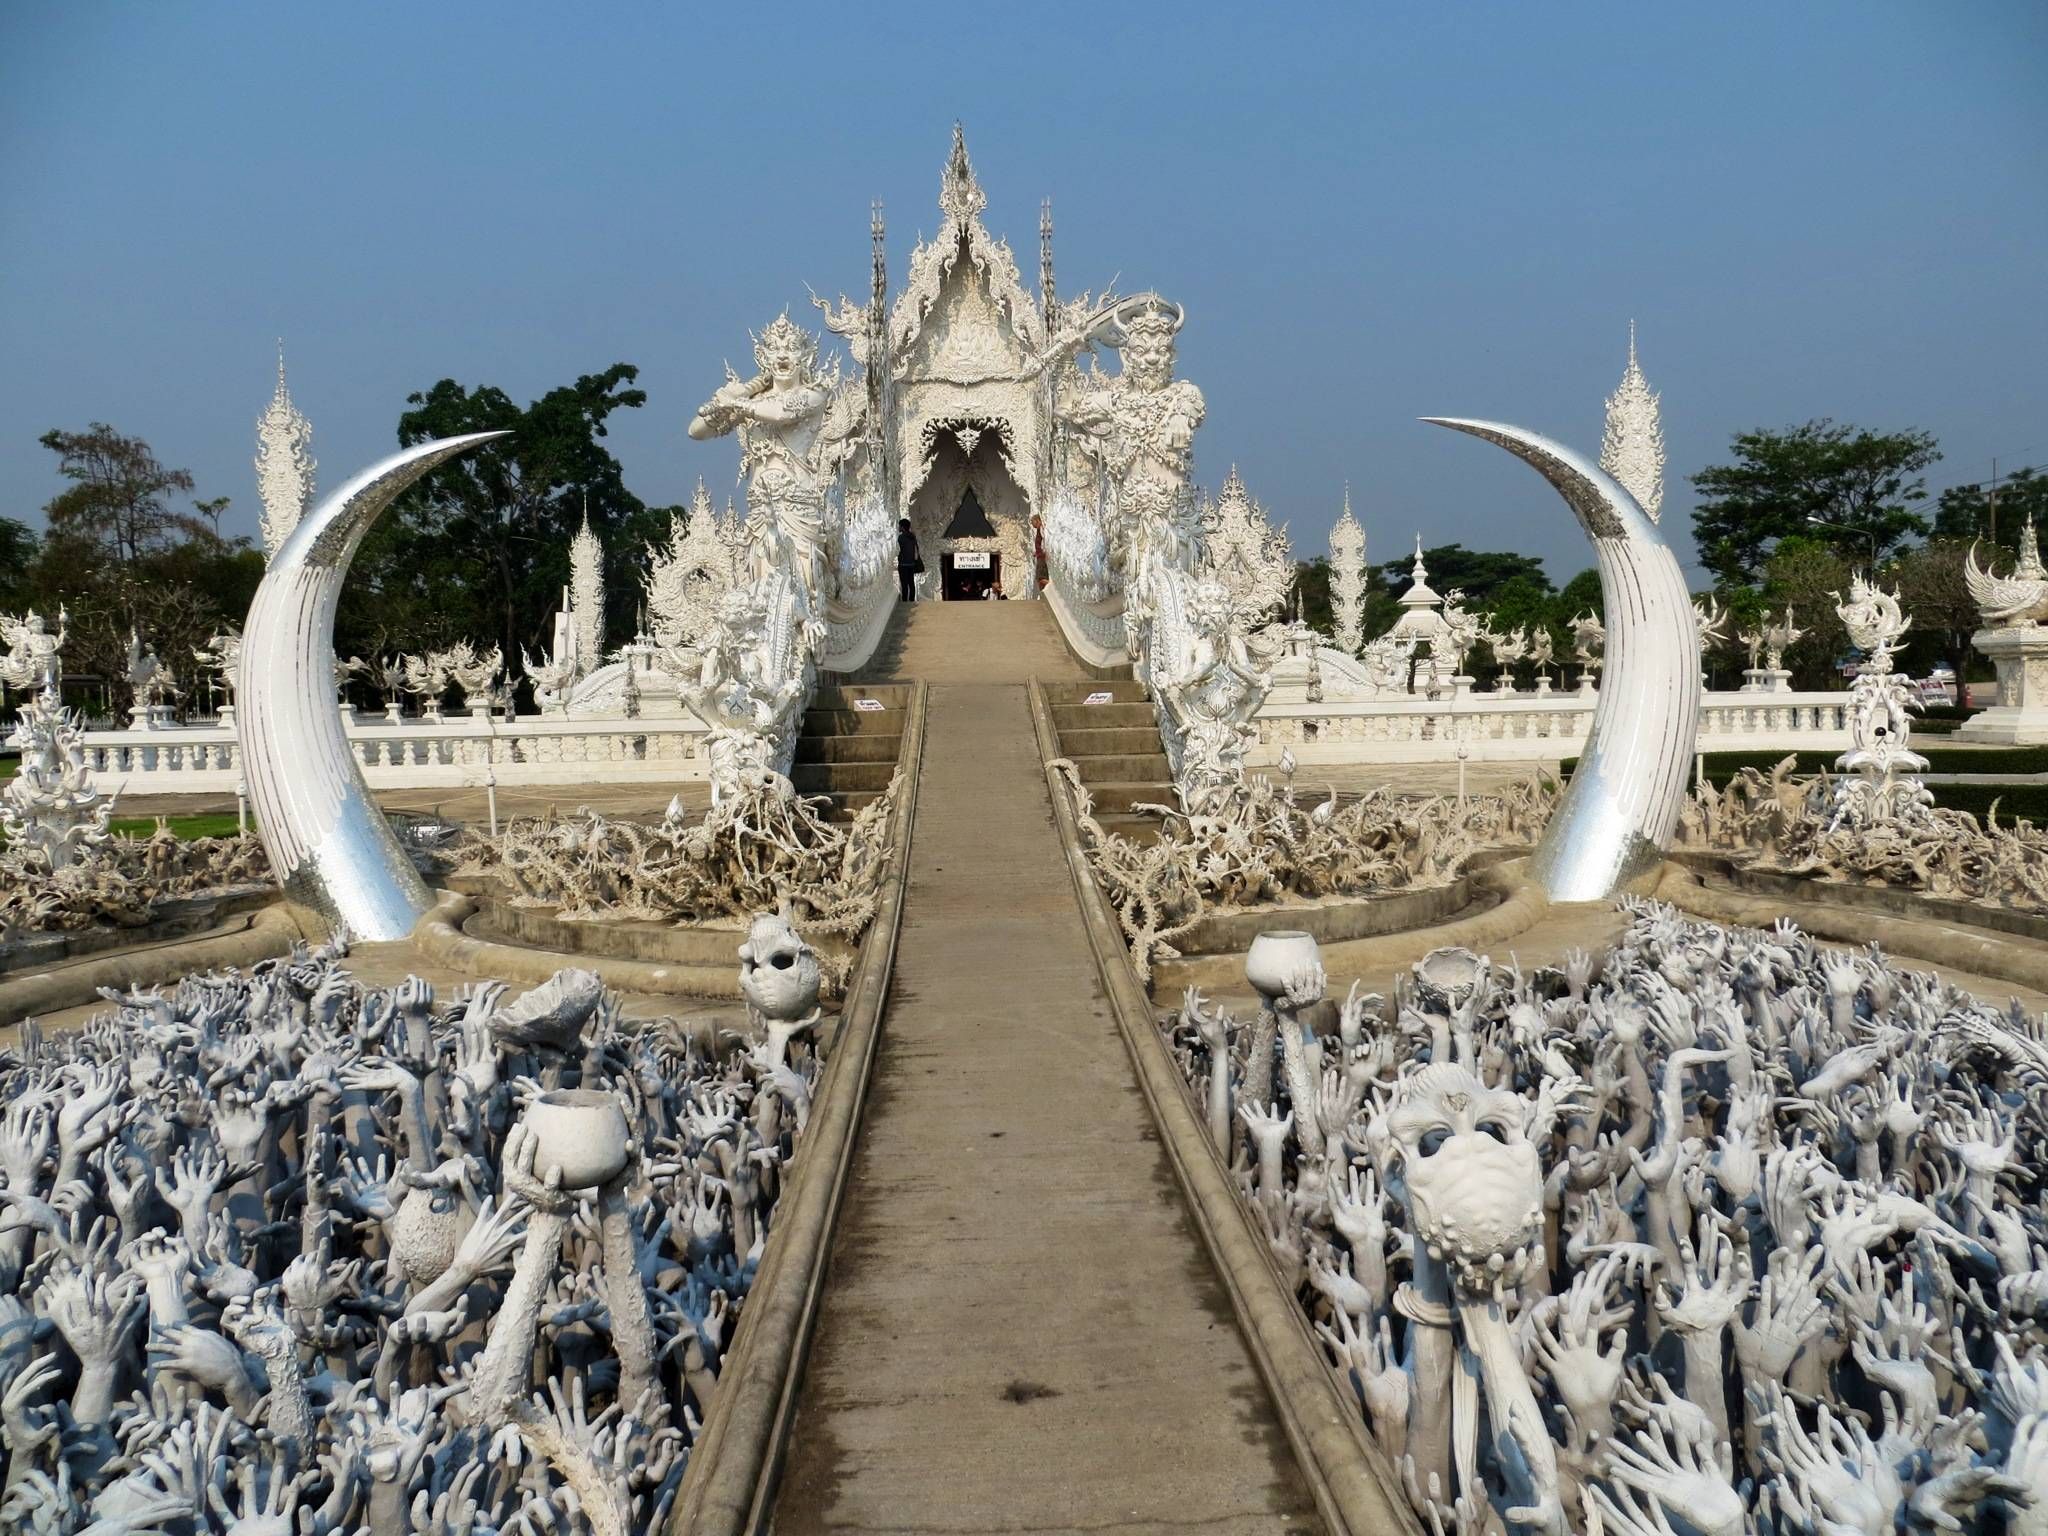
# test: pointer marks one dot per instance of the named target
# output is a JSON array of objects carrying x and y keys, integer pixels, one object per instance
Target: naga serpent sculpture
[
  {"x": 1623, "y": 803},
  {"x": 328, "y": 843}
]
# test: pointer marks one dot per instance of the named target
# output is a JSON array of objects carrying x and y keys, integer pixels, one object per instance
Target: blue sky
[{"x": 1371, "y": 213}]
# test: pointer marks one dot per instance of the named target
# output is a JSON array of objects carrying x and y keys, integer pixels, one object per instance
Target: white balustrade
[
  {"x": 420, "y": 754},
  {"x": 1526, "y": 727},
  {"x": 547, "y": 749}
]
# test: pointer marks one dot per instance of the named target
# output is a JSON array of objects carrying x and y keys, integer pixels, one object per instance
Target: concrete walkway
[
  {"x": 971, "y": 643},
  {"x": 1020, "y": 1330}
]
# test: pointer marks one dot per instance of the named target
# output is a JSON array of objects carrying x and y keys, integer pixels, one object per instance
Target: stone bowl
[
  {"x": 1446, "y": 977},
  {"x": 1276, "y": 958},
  {"x": 580, "y": 1131}
]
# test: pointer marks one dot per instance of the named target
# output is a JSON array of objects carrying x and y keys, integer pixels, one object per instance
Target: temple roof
[{"x": 961, "y": 201}]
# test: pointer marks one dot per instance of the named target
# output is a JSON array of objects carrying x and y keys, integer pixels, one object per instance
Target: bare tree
[{"x": 119, "y": 495}]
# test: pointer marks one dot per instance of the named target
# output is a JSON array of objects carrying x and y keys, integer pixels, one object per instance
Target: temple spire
[
  {"x": 1632, "y": 446},
  {"x": 586, "y": 594},
  {"x": 961, "y": 199},
  {"x": 284, "y": 463},
  {"x": 878, "y": 240},
  {"x": 1045, "y": 287},
  {"x": 1347, "y": 578}
]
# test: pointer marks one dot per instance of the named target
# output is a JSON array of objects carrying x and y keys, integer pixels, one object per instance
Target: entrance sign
[
  {"x": 1098, "y": 698},
  {"x": 970, "y": 560},
  {"x": 868, "y": 706}
]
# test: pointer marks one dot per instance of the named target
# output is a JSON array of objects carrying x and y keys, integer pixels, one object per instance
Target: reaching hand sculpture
[
  {"x": 288, "y": 1331},
  {"x": 1775, "y": 1257}
]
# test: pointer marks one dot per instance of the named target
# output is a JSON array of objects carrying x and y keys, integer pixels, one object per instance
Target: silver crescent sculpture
[
  {"x": 1625, "y": 796},
  {"x": 329, "y": 845}
]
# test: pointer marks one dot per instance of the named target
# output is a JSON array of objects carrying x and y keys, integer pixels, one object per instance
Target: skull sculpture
[
  {"x": 1472, "y": 1181},
  {"x": 778, "y": 971}
]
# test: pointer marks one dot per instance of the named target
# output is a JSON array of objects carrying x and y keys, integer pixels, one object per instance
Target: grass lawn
[
  {"x": 2014, "y": 800},
  {"x": 221, "y": 824}
]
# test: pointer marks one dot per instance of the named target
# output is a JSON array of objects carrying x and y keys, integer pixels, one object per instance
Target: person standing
[{"x": 909, "y": 562}]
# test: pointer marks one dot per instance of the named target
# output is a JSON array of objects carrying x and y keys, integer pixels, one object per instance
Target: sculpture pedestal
[
  {"x": 150, "y": 717},
  {"x": 1766, "y": 680},
  {"x": 394, "y": 713},
  {"x": 2020, "y": 717},
  {"x": 227, "y": 715},
  {"x": 1542, "y": 685}
]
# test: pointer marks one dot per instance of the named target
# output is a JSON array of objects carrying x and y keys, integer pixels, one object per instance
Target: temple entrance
[
  {"x": 968, "y": 574},
  {"x": 971, "y": 518}
]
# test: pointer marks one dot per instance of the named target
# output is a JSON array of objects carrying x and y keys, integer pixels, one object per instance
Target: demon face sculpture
[{"x": 1462, "y": 1161}]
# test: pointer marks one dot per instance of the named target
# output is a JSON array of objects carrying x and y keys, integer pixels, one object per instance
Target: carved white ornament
[
  {"x": 689, "y": 576},
  {"x": 1347, "y": 579},
  {"x": 1632, "y": 447},
  {"x": 284, "y": 464},
  {"x": 586, "y": 597},
  {"x": 1246, "y": 553}
]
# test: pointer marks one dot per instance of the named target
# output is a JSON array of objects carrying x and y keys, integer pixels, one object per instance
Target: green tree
[
  {"x": 1932, "y": 589},
  {"x": 480, "y": 548},
  {"x": 17, "y": 559},
  {"x": 1479, "y": 573},
  {"x": 1967, "y": 512},
  {"x": 1312, "y": 582},
  {"x": 122, "y": 555},
  {"x": 1780, "y": 481},
  {"x": 1809, "y": 576}
]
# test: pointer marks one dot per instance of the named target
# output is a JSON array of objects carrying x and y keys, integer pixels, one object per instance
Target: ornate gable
[{"x": 963, "y": 280}]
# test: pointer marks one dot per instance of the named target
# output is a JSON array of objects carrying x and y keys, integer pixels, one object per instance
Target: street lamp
[{"x": 1861, "y": 533}]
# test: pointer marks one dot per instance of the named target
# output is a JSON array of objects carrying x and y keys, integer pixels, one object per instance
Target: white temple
[{"x": 957, "y": 382}]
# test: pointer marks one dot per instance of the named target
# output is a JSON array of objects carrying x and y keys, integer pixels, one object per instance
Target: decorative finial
[
  {"x": 1632, "y": 445},
  {"x": 284, "y": 463},
  {"x": 960, "y": 196},
  {"x": 1045, "y": 287}
]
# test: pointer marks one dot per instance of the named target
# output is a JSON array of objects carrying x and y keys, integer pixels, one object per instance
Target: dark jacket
[{"x": 907, "y": 554}]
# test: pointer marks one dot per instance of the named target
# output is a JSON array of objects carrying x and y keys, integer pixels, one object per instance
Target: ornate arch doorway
[{"x": 969, "y": 503}]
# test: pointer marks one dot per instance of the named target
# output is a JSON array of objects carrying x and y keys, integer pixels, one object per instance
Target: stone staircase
[
  {"x": 847, "y": 752},
  {"x": 1114, "y": 746}
]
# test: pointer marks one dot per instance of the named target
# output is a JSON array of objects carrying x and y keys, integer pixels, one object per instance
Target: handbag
[{"x": 918, "y": 569}]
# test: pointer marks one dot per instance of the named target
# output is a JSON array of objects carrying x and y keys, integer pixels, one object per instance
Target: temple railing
[
  {"x": 1527, "y": 727},
  {"x": 854, "y": 626},
  {"x": 465, "y": 751},
  {"x": 417, "y": 753},
  {"x": 1094, "y": 630}
]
